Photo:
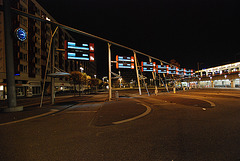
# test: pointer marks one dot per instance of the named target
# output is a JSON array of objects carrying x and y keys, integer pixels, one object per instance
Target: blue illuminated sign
[
  {"x": 125, "y": 65},
  {"x": 148, "y": 66},
  {"x": 21, "y": 34},
  {"x": 77, "y": 51}
]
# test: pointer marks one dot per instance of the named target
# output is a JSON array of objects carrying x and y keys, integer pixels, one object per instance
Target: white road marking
[
  {"x": 30, "y": 118},
  {"x": 148, "y": 110},
  {"x": 80, "y": 111},
  {"x": 201, "y": 98}
]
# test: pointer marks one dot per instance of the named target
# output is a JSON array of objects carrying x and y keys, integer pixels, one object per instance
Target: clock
[{"x": 21, "y": 34}]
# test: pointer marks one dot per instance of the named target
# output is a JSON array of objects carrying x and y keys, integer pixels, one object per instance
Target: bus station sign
[
  {"x": 126, "y": 62},
  {"x": 79, "y": 51},
  {"x": 148, "y": 66}
]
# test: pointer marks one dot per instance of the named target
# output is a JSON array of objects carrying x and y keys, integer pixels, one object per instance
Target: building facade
[
  {"x": 226, "y": 76},
  {"x": 30, "y": 56}
]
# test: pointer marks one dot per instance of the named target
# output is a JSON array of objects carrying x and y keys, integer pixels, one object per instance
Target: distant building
[
  {"x": 227, "y": 75},
  {"x": 31, "y": 55}
]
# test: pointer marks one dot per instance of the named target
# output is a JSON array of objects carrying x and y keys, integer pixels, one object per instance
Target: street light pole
[{"x": 11, "y": 86}]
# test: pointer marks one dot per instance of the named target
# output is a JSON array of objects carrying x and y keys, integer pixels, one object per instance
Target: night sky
[{"x": 189, "y": 31}]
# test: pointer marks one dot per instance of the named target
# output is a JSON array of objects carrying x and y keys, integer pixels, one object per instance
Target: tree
[
  {"x": 174, "y": 62},
  {"x": 77, "y": 78},
  {"x": 94, "y": 82}
]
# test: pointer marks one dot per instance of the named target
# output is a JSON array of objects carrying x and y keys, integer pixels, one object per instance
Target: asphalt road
[{"x": 196, "y": 125}]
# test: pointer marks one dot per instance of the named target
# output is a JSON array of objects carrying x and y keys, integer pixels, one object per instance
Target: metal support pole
[
  {"x": 11, "y": 86},
  {"x": 109, "y": 73},
  {"x": 136, "y": 67},
  {"x": 53, "y": 71},
  {"x": 166, "y": 86},
  {"x": 154, "y": 79},
  {"x": 49, "y": 52},
  {"x": 144, "y": 81}
]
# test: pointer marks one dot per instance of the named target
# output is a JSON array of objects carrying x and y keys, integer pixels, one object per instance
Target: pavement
[
  {"x": 177, "y": 128},
  {"x": 107, "y": 113}
]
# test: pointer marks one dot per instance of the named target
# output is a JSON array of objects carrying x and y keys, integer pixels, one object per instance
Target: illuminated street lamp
[
  {"x": 82, "y": 69},
  {"x": 120, "y": 83}
]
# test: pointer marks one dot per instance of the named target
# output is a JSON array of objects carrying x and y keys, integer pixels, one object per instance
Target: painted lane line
[
  {"x": 80, "y": 111},
  {"x": 30, "y": 118},
  {"x": 148, "y": 110},
  {"x": 197, "y": 97}
]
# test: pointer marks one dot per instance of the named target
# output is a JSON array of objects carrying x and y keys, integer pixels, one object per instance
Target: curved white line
[
  {"x": 29, "y": 118},
  {"x": 148, "y": 110},
  {"x": 197, "y": 97}
]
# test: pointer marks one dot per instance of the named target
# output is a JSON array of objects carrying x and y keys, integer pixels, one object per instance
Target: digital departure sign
[
  {"x": 126, "y": 62},
  {"x": 79, "y": 51},
  {"x": 148, "y": 69},
  {"x": 162, "y": 69},
  {"x": 125, "y": 58},
  {"x": 125, "y": 65},
  {"x": 181, "y": 71},
  {"x": 189, "y": 72},
  {"x": 172, "y": 70},
  {"x": 148, "y": 66}
]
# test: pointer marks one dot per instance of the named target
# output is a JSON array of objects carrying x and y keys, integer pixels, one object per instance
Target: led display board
[
  {"x": 148, "y": 66},
  {"x": 162, "y": 69},
  {"x": 181, "y": 71},
  {"x": 125, "y": 65},
  {"x": 189, "y": 72},
  {"x": 148, "y": 69},
  {"x": 126, "y": 62},
  {"x": 79, "y": 51},
  {"x": 125, "y": 58},
  {"x": 172, "y": 68}
]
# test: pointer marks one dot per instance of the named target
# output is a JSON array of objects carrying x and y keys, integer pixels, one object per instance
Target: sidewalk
[
  {"x": 106, "y": 114},
  {"x": 31, "y": 107}
]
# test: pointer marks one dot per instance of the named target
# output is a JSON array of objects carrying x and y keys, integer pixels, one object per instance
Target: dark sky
[{"x": 190, "y": 31}]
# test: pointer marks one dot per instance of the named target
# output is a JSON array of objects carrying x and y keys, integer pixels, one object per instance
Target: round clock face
[{"x": 21, "y": 34}]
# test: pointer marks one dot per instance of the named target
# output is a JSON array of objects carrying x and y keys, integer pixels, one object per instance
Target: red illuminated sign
[
  {"x": 65, "y": 47},
  {"x": 91, "y": 47},
  {"x": 91, "y": 57}
]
